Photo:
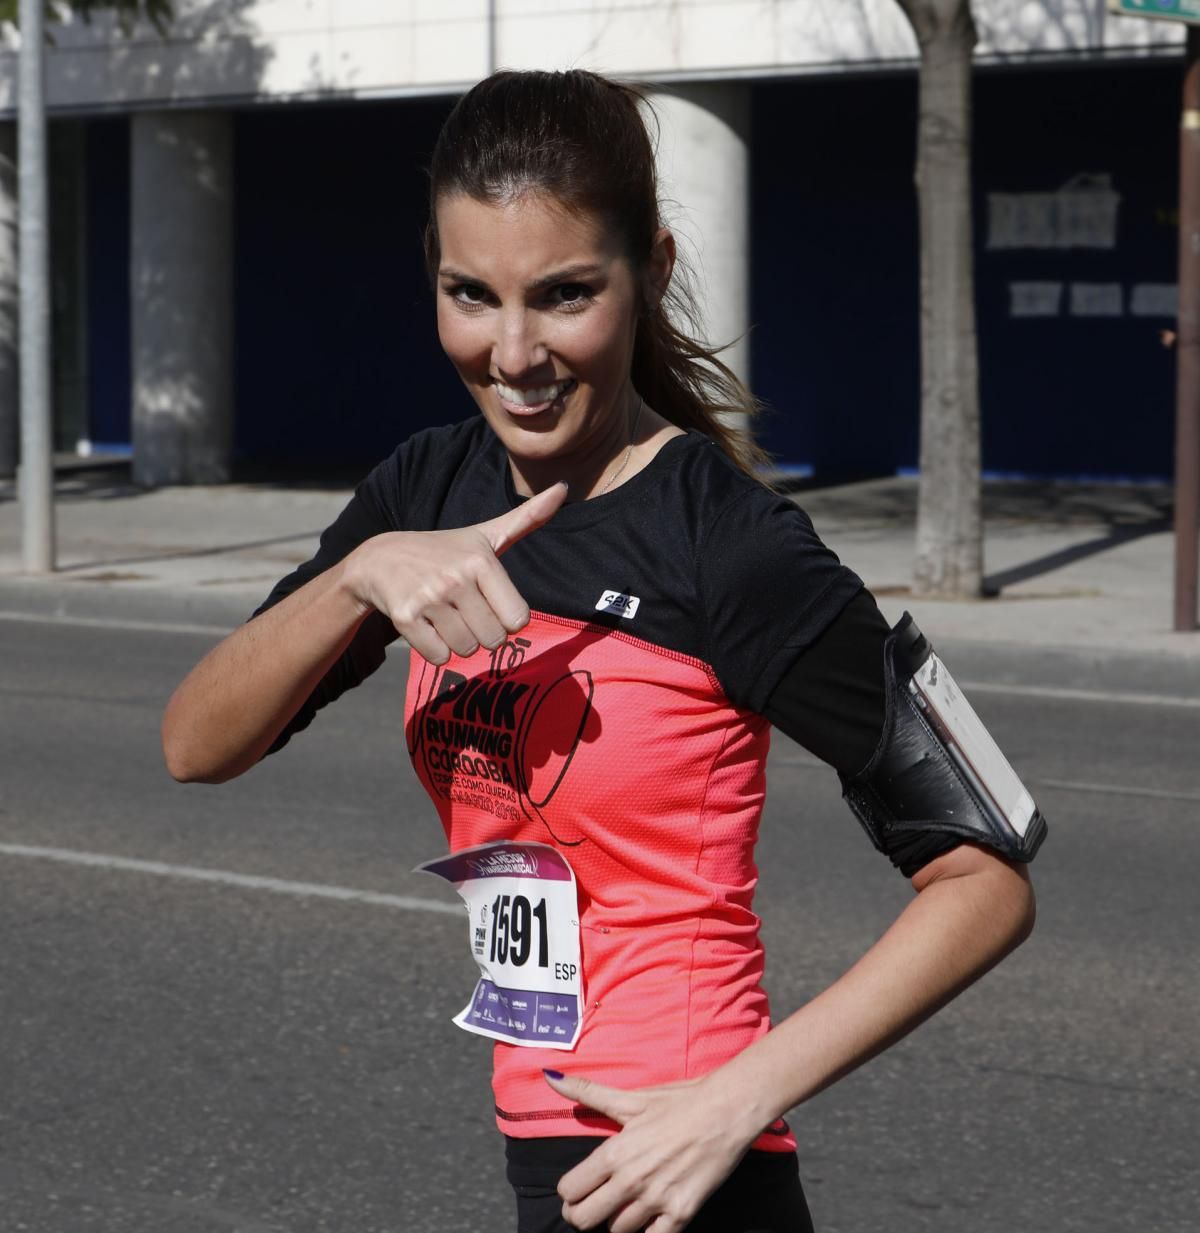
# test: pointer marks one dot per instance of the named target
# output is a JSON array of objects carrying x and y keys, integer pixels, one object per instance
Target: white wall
[
  {"x": 238, "y": 49},
  {"x": 1024, "y": 27}
]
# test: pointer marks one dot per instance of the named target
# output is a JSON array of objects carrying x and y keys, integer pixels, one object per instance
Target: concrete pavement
[
  {"x": 171, "y": 556},
  {"x": 1082, "y": 574}
]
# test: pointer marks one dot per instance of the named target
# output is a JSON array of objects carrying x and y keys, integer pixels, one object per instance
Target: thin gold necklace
[{"x": 637, "y": 419}]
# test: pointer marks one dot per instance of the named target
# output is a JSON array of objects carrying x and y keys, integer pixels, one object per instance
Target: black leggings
[{"x": 762, "y": 1195}]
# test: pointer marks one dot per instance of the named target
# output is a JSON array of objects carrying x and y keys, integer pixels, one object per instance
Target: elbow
[
  {"x": 1025, "y": 909},
  {"x": 181, "y": 765},
  {"x": 198, "y": 750},
  {"x": 183, "y": 754},
  {"x": 186, "y": 764},
  {"x": 1012, "y": 905},
  {"x": 1002, "y": 889},
  {"x": 183, "y": 769},
  {"x": 177, "y": 752},
  {"x": 177, "y": 766}
]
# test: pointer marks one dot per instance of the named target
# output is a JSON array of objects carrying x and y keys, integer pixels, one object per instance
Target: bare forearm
[
  {"x": 947, "y": 937},
  {"x": 233, "y": 704}
]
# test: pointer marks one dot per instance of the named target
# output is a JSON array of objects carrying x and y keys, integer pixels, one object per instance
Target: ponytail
[{"x": 685, "y": 382}]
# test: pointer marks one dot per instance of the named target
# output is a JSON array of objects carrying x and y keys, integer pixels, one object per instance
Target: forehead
[{"x": 521, "y": 239}]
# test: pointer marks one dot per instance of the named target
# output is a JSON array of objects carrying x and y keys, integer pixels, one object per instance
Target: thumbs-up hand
[{"x": 446, "y": 591}]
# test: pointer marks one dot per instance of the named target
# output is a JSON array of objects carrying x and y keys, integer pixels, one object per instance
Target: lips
[{"x": 534, "y": 398}]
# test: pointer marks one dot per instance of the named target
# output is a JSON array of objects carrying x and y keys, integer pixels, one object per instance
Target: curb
[
  {"x": 1092, "y": 669},
  {"x": 98, "y": 603},
  {"x": 1095, "y": 669}
]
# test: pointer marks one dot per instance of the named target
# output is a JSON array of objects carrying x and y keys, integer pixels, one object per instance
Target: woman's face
[{"x": 537, "y": 309}]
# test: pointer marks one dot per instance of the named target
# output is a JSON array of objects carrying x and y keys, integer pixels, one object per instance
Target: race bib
[{"x": 524, "y": 932}]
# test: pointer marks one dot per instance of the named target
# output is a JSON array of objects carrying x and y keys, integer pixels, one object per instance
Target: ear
[{"x": 659, "y": 268}]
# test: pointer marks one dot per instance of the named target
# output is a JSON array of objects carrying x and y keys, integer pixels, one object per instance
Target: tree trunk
[
  {"x": 949, "y": 550},
  {"x": 10, "y": 404}
]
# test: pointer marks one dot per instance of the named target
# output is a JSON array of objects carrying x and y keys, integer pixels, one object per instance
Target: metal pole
[
  {"x": 36, "y": 483},
  {"x": 1187, "y": 406},
  {"x": 491, "y": 32}
]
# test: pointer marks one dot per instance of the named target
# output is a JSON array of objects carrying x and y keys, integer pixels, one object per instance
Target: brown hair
[{"x": 581, "y": 139}]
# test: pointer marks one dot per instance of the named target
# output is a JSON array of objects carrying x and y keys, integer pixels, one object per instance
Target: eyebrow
[{"x": 570, "y": 273}]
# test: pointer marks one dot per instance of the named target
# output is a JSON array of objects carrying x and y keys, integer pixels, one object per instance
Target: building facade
[{"x": 237, "y": 208}]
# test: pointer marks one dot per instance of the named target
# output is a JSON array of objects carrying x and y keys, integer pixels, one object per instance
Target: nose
[{"x": 518, "y": 349}]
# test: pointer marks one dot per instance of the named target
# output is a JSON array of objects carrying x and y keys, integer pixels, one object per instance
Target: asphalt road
[{"x": 193, "y": 1057}]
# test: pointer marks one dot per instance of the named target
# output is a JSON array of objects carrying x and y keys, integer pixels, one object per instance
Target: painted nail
[{"x": 553, "y": 1074}]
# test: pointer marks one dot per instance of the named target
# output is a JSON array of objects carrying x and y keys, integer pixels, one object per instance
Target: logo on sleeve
[{"x": 621, "y": 605}]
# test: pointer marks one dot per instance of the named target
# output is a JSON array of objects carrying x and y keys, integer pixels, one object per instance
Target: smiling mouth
[{"x": 536, "y": 398}]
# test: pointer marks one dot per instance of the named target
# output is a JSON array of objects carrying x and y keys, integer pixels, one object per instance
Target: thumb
[
  {"x": 504, "y": 531},
  {"x": 613, "y": 1102}
]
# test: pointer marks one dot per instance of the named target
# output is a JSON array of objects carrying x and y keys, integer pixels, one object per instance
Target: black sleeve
[
  {"x": 832, "y": 700},
  {"x": 368, "y": 513},
  {"x": 769, "y": 587}
]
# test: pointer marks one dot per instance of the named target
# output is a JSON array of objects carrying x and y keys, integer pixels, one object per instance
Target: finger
[
  {"x": 594, "y": 1210},
  {"x": 504, "y": 531},
  {"x": 503, "y": 598},
  {"x": 589, "y": 1175},
  {"x": 452, "y": 630},
  {"x": 664, "y": 1223},
  {"x": 480, "y": 619},
  {"x": 631, "y": 1219},
  {"x": 426, "y": 641},
  {"x": 611, "y": 1101}
]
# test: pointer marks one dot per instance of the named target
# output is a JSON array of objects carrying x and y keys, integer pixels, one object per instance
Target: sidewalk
[
  {"x": 1083, "y": 573},
  {"x": 1080, "y": 579},
  {"x": 193, "y": 556}
]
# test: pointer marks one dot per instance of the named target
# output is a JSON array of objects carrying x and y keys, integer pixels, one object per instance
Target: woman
[{"x": 598, "y": 703}]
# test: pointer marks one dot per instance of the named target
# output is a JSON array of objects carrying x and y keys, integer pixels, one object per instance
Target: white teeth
[{"x": 532, "y": 398}]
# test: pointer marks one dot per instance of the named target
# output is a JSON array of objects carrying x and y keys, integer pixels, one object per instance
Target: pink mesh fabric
[{"x": 630, "y": 761}]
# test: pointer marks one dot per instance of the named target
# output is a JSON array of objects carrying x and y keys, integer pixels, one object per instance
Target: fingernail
[{"x": 553, "y": 1074}]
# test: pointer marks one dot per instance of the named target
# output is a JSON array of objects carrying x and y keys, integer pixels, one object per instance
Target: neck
[{"x": 594, "y": 467}]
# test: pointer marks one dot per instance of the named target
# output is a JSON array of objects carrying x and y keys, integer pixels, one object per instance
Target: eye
[
  {"x": 571, "y": 296},
  {"x": 468, "y": 296}
]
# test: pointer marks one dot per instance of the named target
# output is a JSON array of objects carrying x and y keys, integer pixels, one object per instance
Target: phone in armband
[{"x": 970, "y": 746}]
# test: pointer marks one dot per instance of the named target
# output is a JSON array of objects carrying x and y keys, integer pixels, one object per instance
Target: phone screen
[{"x": 971, "y": 745}]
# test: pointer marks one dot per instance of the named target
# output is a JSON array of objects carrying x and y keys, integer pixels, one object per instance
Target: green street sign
[{"x": 1168, "y": 10}]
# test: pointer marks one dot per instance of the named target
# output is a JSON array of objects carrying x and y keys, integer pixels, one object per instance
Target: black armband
[{"x": 937, "y": 769}]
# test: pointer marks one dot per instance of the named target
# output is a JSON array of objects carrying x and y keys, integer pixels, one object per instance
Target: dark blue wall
[
  {"x": 107, "y": 146},
  {"x": 835, "y": 349},
  {"x": 834, "y": 274},
  {"x": 1080, "y": 395},
  {"x": 337, "y": 352},
  {"x": 337, "y": 355}
]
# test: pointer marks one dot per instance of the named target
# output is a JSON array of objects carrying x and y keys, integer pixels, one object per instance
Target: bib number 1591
[
  {"x": 523, "y": 920},
  {"x": 513, "y": 917}
]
